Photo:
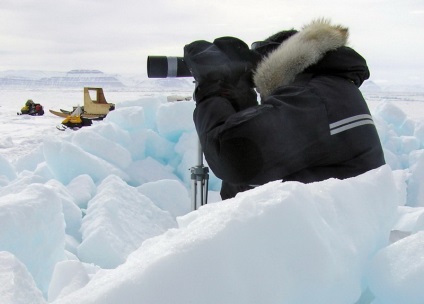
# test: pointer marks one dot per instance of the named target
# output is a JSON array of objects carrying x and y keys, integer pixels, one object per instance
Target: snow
[
  {"x": 103, "y": 214},
  {"x": 17, "y": 286}
]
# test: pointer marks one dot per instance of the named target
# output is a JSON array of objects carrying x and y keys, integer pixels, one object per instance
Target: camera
[{"x": 166, "y": 67}]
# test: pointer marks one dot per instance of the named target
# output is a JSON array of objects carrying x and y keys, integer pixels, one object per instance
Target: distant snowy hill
[
  {"x": 95, "y": 78},
  {"x": 89, "y": 78},
  {"x": 372, "y": 87},
  {"x": 166, "y": 84},
  {"x": 45, "y": 79}
]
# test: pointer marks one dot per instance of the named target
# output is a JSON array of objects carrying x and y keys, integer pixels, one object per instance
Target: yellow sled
[{"x": 95, "y": 104}]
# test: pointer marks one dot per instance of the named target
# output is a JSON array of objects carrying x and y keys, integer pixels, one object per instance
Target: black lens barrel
[{"x": 166, "y": 67}]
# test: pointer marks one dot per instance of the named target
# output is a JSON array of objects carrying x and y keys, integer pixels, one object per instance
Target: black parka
[{"x": 314, "y": 126}]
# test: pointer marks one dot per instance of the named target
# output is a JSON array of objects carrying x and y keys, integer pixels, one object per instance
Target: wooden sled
[{"x": 95, "y": 105}]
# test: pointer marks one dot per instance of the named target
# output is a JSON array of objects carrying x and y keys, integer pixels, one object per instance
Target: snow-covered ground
[{"x": 103, "y": 214}]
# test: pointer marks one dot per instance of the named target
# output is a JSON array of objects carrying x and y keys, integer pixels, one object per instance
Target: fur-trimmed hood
[{"x": 297, "y": 53}]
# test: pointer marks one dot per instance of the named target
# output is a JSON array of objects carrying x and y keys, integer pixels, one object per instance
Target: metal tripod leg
[{"x": 200, "y": 181}]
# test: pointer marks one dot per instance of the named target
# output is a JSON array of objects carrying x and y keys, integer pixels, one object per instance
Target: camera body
[{"x": 166, "y": 67}]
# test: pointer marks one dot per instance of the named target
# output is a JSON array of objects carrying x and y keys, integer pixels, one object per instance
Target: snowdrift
[
  {"x": 267, "y": 245},
  {"x": 102, "y": 215}
]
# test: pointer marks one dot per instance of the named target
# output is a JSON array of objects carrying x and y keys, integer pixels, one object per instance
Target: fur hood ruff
[{"x": 297, "y": 53}]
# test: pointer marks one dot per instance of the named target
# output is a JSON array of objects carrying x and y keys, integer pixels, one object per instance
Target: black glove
[
  {"x": 240, "y": 91},
  {"x": 206, "y": 61},
  {"x": 243, "y": 60},
  {"x": 222, "y": 68}
]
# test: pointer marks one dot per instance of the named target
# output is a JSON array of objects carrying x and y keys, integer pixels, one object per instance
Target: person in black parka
[{"x": 312, "y": 123}]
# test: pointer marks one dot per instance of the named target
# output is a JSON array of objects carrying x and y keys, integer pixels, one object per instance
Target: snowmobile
[
  {"x": 74, "y": 121},
  {"x": 31, "y": 108}
]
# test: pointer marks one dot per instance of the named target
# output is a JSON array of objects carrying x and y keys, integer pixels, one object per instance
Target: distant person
[
  {"x": 32, "y": 108},
  {"x": 312, "y": 123}
]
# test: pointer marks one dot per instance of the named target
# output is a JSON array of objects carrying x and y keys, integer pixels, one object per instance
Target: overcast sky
[{"x": 116, "y": 36}]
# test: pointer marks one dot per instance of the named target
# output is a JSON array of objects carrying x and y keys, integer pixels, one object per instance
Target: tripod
[{"x": 200, "y": 181}]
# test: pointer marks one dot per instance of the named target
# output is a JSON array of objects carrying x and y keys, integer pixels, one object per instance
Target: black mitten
[
  {"x": 223, "y": 68},
  {"x": 209, "y": 67},
  {"x": 243, "y": 60},
  {"x": 206, "y": 61},
  {"x": 239, "y": 90},
  {"x": 241, "y": 96}
]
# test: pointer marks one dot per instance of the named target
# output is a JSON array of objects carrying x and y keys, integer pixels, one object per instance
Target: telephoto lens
[{"x": 166, "y": 67}]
